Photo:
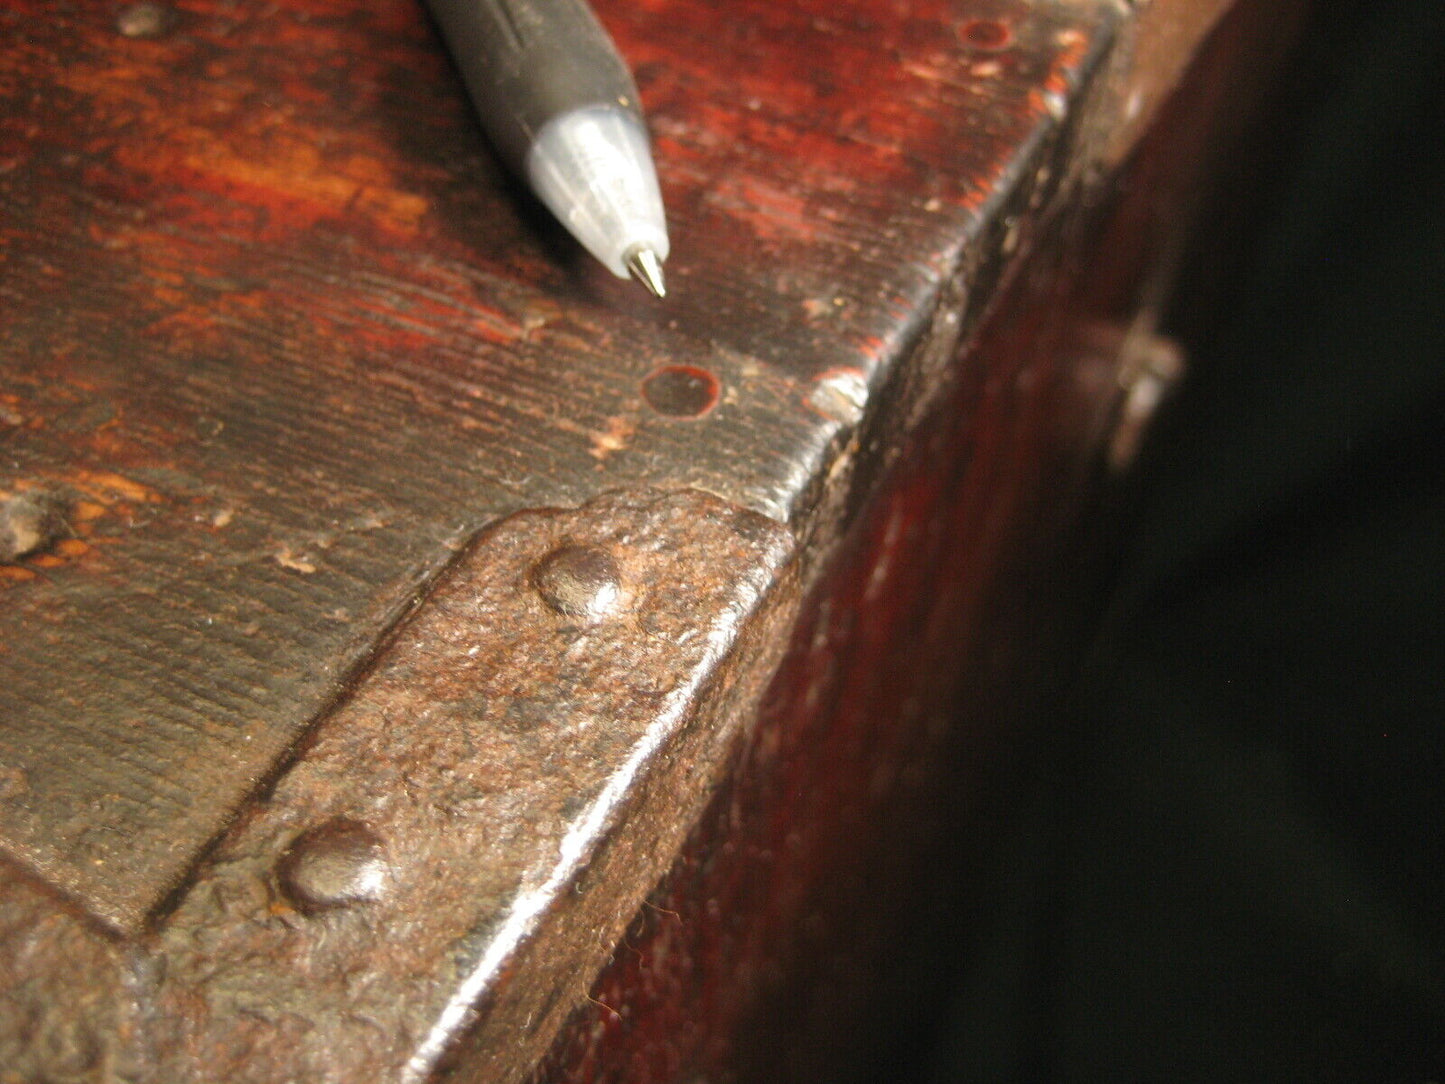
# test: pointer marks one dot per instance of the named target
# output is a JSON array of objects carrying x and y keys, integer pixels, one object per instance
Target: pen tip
[{"x": 646, "y": 268}]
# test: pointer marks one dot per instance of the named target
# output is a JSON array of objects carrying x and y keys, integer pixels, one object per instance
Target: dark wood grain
[
  {"x": 297, "y": 374},
  {"x": 282, "y": 335}
]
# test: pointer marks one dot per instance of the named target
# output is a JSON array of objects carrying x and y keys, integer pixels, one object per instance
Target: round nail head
[
  {"x": 146, "y": 19},
  {"x": 578, "y": 581},
  {"x": 338, "y": 864},
  {"x": 681, "y": 391}
]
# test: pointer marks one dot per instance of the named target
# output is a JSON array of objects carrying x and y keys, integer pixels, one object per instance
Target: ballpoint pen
[{"x": 562, "y": 110}]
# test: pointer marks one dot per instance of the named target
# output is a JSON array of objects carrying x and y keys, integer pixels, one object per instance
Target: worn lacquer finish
[
  {"x": 797, "y": 937},
  {"x": 384, "y": 587},
  {"x": 280, "y": 334}
]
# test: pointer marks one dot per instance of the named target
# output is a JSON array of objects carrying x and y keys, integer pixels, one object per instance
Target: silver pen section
[{"x": 561, "y": 108}]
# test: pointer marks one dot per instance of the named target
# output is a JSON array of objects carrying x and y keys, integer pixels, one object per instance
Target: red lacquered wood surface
[{"x": 800, "y": 934}]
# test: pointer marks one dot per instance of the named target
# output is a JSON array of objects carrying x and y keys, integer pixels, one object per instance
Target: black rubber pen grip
[{"x": 527, "y": 61}]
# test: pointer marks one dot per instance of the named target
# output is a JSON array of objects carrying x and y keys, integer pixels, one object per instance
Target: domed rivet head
[
  {"x": 579, "y": 581},
  {"x": 338, "y": 864},
  {"x": 146, "y": 19}
]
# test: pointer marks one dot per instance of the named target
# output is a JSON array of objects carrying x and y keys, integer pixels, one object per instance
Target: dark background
[{"x": 1230, "y": 868}]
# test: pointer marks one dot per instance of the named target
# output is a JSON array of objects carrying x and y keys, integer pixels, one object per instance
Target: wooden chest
[{"x": 395, "y": 607}]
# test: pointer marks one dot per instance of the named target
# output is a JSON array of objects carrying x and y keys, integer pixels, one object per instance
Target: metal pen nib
[{"x": 646, "y": 268}]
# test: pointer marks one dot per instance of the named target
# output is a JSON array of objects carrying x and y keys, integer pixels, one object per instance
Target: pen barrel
[{"x": 528, "y": 61}]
